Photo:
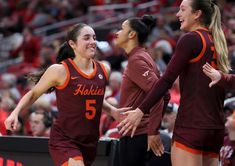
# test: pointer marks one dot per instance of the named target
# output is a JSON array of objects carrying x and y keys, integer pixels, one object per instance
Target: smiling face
[
  {"x": 188, "y": 18},
  {"x": 85, "y": 45}
]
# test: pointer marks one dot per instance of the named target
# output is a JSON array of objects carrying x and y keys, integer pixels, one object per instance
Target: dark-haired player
[{"x": 79, "y": 82}]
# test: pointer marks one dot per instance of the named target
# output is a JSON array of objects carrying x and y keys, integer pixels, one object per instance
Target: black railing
[{"x": 31, "y": 151}]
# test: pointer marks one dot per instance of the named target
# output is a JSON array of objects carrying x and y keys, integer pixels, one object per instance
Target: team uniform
[
  {"x": 199, "y": 126},
  {"x": 75, "y": 133},
  {"x": 138, "y": 78},
  {"x": 227, "y": 81}
]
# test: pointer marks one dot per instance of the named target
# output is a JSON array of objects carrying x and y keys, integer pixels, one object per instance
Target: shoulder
[
  {"x": 57, "y": 70},
  {"x": 189, "y": 40},
  {"x": 138, "y": 53},
  {"x": 57, "y": 73},
  {"x": 106, "y": 67},
  {"x": 140, "y": 58},
  {"x": 190, "y": 36}
]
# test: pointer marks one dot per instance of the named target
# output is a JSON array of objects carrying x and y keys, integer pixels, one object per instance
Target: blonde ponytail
[{"x": 219, "y": 41}]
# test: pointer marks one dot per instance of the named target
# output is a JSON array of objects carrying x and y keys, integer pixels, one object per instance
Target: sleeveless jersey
[{"x": 80, "y": 101}]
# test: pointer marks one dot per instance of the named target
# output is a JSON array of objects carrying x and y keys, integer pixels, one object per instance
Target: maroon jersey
[
  {"x": 200, "y": 106},
  {"x": 138, "y": 78},
  {"x": 227, "y": 81},
  {"x": 80, "y": 101}
]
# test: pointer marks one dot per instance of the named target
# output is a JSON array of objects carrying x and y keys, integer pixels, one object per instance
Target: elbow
[
  {"x": 32, "y": 95},
  {"x": 168, "y": 82}
]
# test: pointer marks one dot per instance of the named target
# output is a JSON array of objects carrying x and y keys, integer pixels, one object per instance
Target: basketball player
[
  {"x": 79, "y": 82},
  {"x": 199, "y": 128}
]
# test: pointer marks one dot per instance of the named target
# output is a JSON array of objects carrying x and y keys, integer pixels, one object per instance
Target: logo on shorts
[{"x": 100, "y": 76}]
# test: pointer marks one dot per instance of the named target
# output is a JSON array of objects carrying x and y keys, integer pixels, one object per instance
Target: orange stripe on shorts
[
  {"x": 188, "y": 149},
  {"x": 195, "y": 151},
  {"x": 75, "y": 158},
  {"x": 210, "y": 154}
]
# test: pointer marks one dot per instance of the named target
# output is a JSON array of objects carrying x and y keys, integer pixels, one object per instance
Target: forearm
[
  {"x": 156, "y": 93},
  {"x": 227, "y": 81},
  {"x": 107, "y": 108},
  {"x": 27, "y": 100},
  {"x": 166, "y": 100},
  {"x": 155, "y": 118}
]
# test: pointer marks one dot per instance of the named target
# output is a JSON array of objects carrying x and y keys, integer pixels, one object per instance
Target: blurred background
[{"x": 31, "y": 32}]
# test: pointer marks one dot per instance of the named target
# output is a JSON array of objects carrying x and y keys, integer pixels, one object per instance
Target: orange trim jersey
[
  {"x": 75, "y": 132},
  {"x": 80, "y": 101},
  {"x": 200, "y": 106}
]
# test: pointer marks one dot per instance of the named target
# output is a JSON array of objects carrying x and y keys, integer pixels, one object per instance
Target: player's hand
[
  {"x": 118, "y": 113},
  {"x": 130, "y": 122},
  {"x": 155, "y": 143},
  {"x": 11, "y": 122},
  {"x": 212, "y": 73}
]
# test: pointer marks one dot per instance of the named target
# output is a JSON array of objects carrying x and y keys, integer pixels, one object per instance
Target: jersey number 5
[{"x": 90, "y": 109}]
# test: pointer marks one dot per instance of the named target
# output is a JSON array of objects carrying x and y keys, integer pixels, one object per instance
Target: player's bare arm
[{"x": 55, "y": 75}]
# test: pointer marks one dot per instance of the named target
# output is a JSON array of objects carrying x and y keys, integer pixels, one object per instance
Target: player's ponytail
[
  {"x": 211, "y": 18},
  {"x": 36, "y": 76},
  {"x": 65, "y": 52},
  {"x": 219, "y": 40}
]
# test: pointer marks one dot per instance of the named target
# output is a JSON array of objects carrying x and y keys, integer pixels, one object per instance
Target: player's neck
[
  {"x": 130, "y": 46},
  {"x": 196, "y": 27},
  {"x": 83, "y": 63}
]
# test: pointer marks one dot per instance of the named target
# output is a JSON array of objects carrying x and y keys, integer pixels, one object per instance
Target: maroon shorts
[
  {"x": 62, "y": 148},
  {"x": 60, "y": 155},
  {"x": 199, "y": 141}
]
